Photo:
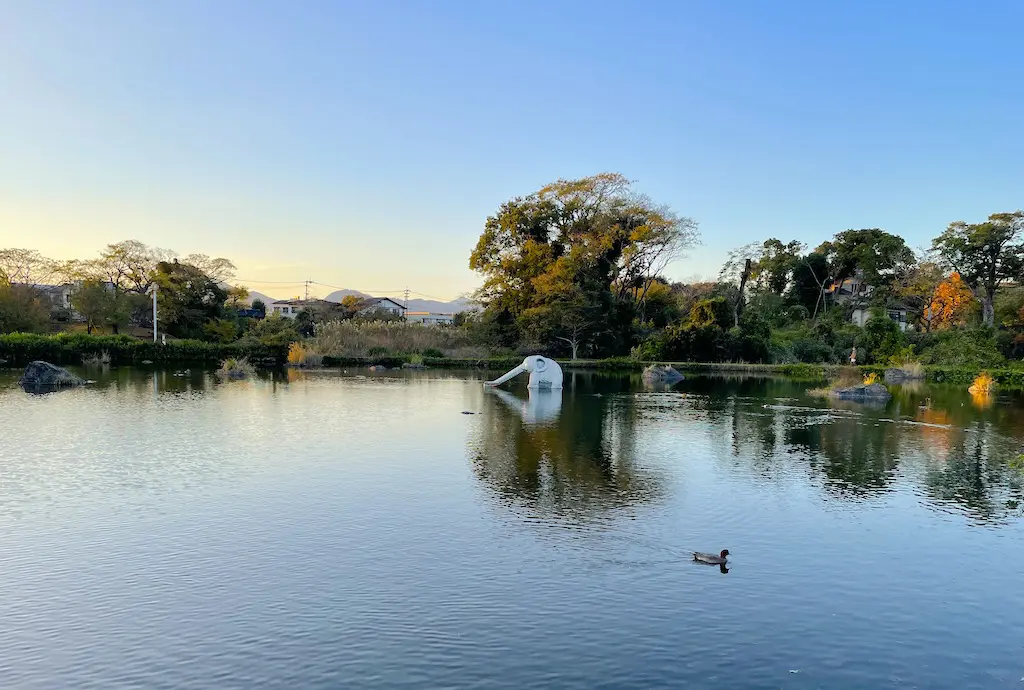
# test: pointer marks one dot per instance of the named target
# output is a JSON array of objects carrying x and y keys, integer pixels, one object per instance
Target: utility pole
[
  {"x": 154, "y": 312},
  {"x": 307, "y": 290},
  {"x": 406, "y": 305}
]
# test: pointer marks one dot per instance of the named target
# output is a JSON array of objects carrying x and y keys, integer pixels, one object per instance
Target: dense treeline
[
  {"x": 575, "y": 269},
  {"x": 113, "y": 292}
]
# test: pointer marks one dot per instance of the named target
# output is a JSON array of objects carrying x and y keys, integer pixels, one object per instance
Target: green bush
[
  {"x": 220, "y": 330},
  {"x": 781, "y": 352},
  {"x": 273, "y": 331},
  {"x": 652, "y": 349},
  {"x": 798, "y": 313},
  {"x": 973, "y": 349},
  {"x": 708, "y": 343},
  {"x": 752, "y": 338},
  {"x": 882, "y": 338},
  {"x": 712, "y": 311},
  {"x": 811, "y": 350}
]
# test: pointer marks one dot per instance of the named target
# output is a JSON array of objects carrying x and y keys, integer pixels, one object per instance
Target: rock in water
[
  {"x": 895, "y": 375},
  {"x": 662, "y": 374},
  {"x": 45, "y": 376},
  {"x": 875, "y": 392}
]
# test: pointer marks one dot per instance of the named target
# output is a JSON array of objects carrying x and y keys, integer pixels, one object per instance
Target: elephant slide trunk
[{"x": 505, "y": 377}]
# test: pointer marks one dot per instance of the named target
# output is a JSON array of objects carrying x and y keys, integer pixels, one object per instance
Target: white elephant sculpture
[{"x": 544, "y": 373}]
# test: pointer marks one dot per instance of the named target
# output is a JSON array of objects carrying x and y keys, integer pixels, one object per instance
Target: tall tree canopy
[
  {"x": 188, "y": 298},
  {"x": 878, "y": 255},
  {"x": 985, "y": 255},
  {"x": 26, "y": 267},
  {"x": 575, "y": 254},
  {"x": 22, "y": 308}
]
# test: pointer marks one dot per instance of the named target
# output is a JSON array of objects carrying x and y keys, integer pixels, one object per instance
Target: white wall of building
[
  {"x": 429, "y": 318},
  {"x": 288, "y": 311}
]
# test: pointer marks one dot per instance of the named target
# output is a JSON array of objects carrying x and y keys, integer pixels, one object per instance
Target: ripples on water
[{"x": 349, "y": 531}]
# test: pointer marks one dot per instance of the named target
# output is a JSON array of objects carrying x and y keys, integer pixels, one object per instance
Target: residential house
[
  {"x": 428, "y": 318},
  {"x": 59, "y": 299},
  {"x": 856, "y": 290},
  {"x": 383, "y": 303},
  {"x": 59, "y": 296},
  {"x": 897, "y": 312},
  {"x": 290, "y": 308}
]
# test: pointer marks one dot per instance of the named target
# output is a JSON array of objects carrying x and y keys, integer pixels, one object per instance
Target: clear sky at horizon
[{"x": 364, "y": 144}]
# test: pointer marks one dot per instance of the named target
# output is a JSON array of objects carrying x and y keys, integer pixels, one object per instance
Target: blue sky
[{"x": 364, "y": 144}]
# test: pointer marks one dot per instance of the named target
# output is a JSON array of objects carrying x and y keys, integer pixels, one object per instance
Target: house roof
[
  {"x": 378, "y": 300},
  {"x": 428, "y": 313},
  {"x": 299, "y": 302}
]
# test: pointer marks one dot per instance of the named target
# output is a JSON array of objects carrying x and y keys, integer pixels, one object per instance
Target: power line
[{"x": 270, "y": 282}]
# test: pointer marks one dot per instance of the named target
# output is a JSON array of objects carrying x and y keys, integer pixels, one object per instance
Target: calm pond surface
[{"x": 341, "y": 530}]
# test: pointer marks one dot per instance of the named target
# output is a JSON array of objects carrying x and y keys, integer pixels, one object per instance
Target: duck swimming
[{"x": 710, "y": 558}]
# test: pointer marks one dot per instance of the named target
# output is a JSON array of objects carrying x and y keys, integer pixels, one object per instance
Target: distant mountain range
[{"x": 453, "y": 307}]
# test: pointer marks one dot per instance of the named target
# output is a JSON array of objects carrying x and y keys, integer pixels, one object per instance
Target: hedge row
[{"x": 72, "y": 348}]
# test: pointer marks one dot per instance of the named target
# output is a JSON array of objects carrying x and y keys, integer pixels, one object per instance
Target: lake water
[{"x": 343, "y": 530}]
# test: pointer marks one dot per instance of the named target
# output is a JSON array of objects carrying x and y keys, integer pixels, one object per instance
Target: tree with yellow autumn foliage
[
  {"x": 951, "y": 303},
  {"x": 937, "y": 300}
]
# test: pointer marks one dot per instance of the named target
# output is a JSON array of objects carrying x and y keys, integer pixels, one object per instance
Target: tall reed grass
[
  {"x": 354, "y": 339},
  {"x": 304, "y": 355}
]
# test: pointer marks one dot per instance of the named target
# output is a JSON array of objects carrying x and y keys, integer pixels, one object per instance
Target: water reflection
[
  {"x": 577, "y": 452},
  {"x": 542, "y": 406},
  {"x": 573, "y": 455}
]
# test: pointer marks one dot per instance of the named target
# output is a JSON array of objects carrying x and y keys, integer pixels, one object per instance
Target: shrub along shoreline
[
  {"x": 71, "y": 348},
  {"x": 18, "y": 349}
]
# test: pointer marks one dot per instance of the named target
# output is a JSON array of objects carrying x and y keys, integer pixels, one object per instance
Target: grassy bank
[{"x": 71, "y": 348}]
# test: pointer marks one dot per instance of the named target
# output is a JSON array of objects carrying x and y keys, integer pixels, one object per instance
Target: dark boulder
[
  {"x": 661, "y": 374},
  {"x": 874, "y": 392},
  {"x": 896, "y": 375},
  {"x": 45, "y": 376}
]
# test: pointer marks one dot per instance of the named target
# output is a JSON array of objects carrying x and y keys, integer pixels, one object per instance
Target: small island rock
[
  {"x": 661, "y": 374},
  {"x": 896, "y": 375},
  {"x": 46, "y": 376},
  {"x": 874, "y": 392}
]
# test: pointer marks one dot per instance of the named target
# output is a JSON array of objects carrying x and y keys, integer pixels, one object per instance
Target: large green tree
[
  {"x": 764, "y": 266},
  {"x": 187, "y": 299},
  {"x": 878, "y": 256},
  {"x": 986, "y": 255},
  {"x": 810, "y": 280},
  {"x": 93, "y": 300},
  {"x": 22, "y": 309},
  {"x": 573, "y": 252},
  {"x": 917, "y": 287},
  {"x": 27, "y": 267}
]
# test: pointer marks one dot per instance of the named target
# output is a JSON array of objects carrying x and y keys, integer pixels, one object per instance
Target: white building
[
  {"x": 429, "y": 318},
  {"x": 897, "y": 313}
]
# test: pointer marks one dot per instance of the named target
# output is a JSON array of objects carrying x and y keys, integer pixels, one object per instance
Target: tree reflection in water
[
  {"x": 560, "y": 453},
  {"x": 579, "y": 457},
  {"x": 958, "y": 453}
]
